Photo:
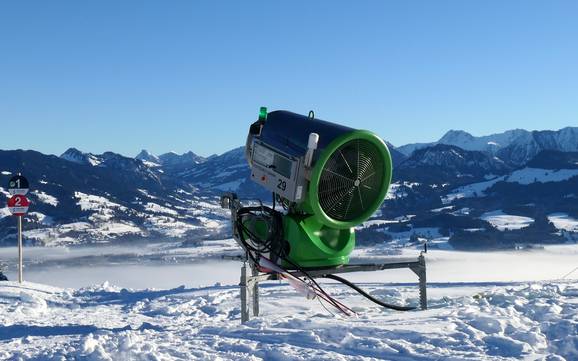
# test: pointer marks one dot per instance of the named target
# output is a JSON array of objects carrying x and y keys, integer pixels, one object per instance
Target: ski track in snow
[{"x": 476, "y": 322}]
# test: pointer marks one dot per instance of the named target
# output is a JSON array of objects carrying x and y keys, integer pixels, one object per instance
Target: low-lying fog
[{"x": 172, "y": 265}]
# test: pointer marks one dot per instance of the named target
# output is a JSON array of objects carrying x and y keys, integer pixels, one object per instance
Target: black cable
[
  {"x": 244, "y": 242},
  {"x": 368, "y": 296},
  {"x": 275, "y": 237},
  {"x": 274, "y": 230}
]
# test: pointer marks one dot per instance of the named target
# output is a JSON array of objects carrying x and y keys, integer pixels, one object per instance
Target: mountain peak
[
  {"x": 146, "y": 156},
  {"x": 445, "y": 155},
  {"x": 72, "y": 152},
  {"x": 455, "y": 135},
  {"x": 76, "y": 156},
  {"x": 172, "y": 159},
  {"x": 492, "y": 143},
  {"x": 448, "y": 162}
]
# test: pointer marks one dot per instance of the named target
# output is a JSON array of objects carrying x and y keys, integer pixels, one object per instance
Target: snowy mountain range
[
  {"x": 516, "y": 146},
  {"x": 510, "y": 188},
  {"x": 170, "y": 160}
]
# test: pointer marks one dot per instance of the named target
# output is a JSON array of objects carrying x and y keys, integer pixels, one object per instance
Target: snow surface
[
  {"x": 88, "y": 202},
  {"x": 111, "y": 229},
  {"x": 483, "y": 306},
  {"x": 522, "y": 176},
  {"x": 470, "y": 191},
  {"x": 107, "y": 220},
  {"x": 503, "y": 221},
  {"x": 564, "y": 221},
  {"x": 41, "y": 218},
  {"x": 533, "y": 175},
  {"x": 46, "y": 198},
  {"x": 4, "y": 212},
  {"x": 157, "y": 208},
  {"x": 109, "y": 323},
  {"x": 229, "y": 186},
  {"x": 399, "y": 190}
]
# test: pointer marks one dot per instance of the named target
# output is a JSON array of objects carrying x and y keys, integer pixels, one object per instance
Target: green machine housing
[{"x": 329, "y": 177}]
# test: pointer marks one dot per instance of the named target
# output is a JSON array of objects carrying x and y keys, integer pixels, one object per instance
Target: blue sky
[{"x": 191, "y": 75}]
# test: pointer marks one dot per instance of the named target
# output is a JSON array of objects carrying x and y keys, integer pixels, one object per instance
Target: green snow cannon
[{"x": 328, "y": 177}]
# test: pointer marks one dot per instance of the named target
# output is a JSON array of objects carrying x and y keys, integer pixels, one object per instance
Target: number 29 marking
[{"x": 282, "y": 185}]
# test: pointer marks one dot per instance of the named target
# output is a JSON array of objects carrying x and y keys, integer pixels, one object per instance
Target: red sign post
[{"x": 18, "y": 205}]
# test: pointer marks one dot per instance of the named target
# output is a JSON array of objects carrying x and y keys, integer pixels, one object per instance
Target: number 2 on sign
[{"x": 18, "y": 201}]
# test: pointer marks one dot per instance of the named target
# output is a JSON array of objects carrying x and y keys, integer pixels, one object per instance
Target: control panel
[{"x": 277, "y": 172}]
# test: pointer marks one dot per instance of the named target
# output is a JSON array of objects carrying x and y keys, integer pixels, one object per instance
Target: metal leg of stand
[
  {"x": 250, "y": 281},
  {"x": 249, "y": 292},
  {"x": 244, "y": 289},
  {"x": 422, "y": 283},
  {"x": 255, "y": 290},
  {"x": 420, "y": 271}
]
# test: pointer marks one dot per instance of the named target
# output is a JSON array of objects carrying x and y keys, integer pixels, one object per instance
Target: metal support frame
[
  {"x": 250, "y": 284},
  {"x": 249, "y": 291},
  {"x": 251, "y": 277}
]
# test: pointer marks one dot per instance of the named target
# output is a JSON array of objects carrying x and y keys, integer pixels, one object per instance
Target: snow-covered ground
[
  {"x": 523, "y": 176},
  {"x": 563, "y": 221},
  {"x": 483, "y": 306},
  {"x": 503, "y": 221}
]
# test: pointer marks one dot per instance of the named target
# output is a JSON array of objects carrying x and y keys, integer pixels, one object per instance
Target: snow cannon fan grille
[{"x": 351, "y": 180}]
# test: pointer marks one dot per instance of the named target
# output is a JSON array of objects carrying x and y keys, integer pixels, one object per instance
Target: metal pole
[
  {"x": 19, "y": 249},
  {"x": 422, "y": 283},
  {"x": 244, "y": 296},
  {"x": 255, "y": 289}
]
